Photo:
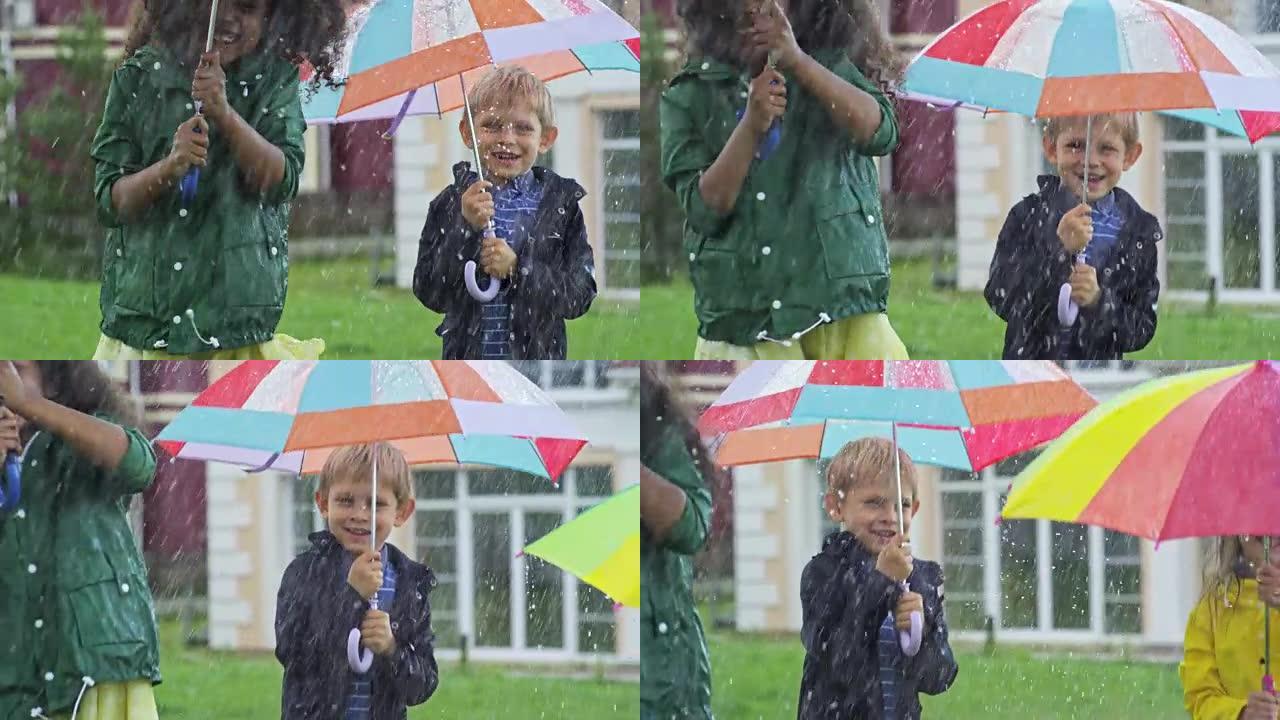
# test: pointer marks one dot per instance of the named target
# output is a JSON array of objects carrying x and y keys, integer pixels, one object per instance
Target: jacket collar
[{"x": 463, "y": 176}]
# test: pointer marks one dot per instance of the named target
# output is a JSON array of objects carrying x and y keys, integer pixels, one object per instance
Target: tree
[{"x": 45, "y": 160}]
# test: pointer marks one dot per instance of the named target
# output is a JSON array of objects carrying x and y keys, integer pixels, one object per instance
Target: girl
[
  {"x": 205, "y": 276},
  {"x": 79, "y": 622},
  {"x": 1222, "y": 664},
  {"x": 785, "y": 236},
  {"x": 675, "y": 515}
]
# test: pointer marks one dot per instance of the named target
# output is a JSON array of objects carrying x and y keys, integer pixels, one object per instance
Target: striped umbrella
[
  {"x": 289, "y": 415},
  {"x": 412, "y": 57},
  {"x": 961, "y": 414},
  {"x": 1043, "y": 58},
  {"x": 601, "y": 547},
  {"x": 1190, "y": 455}
]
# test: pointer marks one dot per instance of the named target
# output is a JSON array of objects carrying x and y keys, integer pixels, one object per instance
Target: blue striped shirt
[
  {"x": 360, "y": 701},
  {"x": 890, "y": 674},
  {"x": 515, "y": 208},
  {"x": 1107, "y": 222}
]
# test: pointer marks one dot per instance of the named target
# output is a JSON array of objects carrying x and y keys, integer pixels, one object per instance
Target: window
[
  {"x": 620, "y": 157},
  {"x": 1268, "y": 16},
  {"x": 470, "y": 527},
  {"x": 556, "y": 374},
  {"x": 1220, "y": 205}
]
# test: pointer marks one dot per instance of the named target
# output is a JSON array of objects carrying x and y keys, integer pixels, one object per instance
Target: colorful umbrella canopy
[
  {"x": 962, "y": 414},
  {"x": 406, "y": 56},
  {"x": 601, "y": 547},
  {"x": 1084, "y": 57},
  {"x": 262, "y": 414},
  {"x": 1190, "y": 455}
]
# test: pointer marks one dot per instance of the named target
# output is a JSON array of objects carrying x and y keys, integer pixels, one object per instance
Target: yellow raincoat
[{"x": 1223, "y": 652}]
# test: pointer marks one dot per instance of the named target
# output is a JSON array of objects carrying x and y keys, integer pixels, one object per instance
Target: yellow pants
[
  {"x": 131, "y": 700},
  {"x": 859, "y": 337},
  {"x": 280, "y": 347}
]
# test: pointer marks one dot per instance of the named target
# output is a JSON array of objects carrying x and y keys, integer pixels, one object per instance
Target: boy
[
  {"x": 541, "y": 254},
  {"x": 1114, "y": 284},
  {"x": 854, "y": 604},
  {"x": 325, "y": 593}
]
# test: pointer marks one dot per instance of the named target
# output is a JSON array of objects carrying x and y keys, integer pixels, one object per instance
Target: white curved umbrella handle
[
  {"x": 910, "y": 639},
  {"x": 359, "y": 662},
  {"x": 473, "y": 286},
  {"x": 1068, "y": 311}
]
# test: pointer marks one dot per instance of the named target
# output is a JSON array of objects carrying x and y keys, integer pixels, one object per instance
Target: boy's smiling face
[
  {"x": 345, "y": 508},
  {"x": 1109, "y": 157},
  {"x": 867, "y": 510},
  {"x": 511, "y": 138}
]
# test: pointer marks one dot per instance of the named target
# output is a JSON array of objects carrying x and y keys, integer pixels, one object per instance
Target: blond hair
[
  {"x": 1224, "y": 554},
  {"x": 1126, "y": 123},
  {"x": 357, "y": 461},
  {"x": 867, "y": 460},
  {"x": 504, "y": 85}
]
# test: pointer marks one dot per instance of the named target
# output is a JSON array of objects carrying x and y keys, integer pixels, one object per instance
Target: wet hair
[
  {"x": 357, "y": 461},
  {"x": 82, "y": 386},
  {"x": 660, "y": 407},
  {"x": 866, "y": 461},
  {"x": 1224, "y": 566},
  {"x": 1126, "y": 123},
  {"x": 294, "y": 30},
  {"x": 502, "y": 86},
  {"x": 712, "y": 29}
]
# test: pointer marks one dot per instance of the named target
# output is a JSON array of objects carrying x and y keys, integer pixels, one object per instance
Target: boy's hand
[
  {"x": 895, "y": 560},
  {"x": 1269, "y": 583},
  {"x": 189, "y": 147},
  {"x": 366, "y": 574},
  {"x": 497, "y": 259},
  {"x": 909, "y": 602},
  {"x": 765, "y": 101},
  {"x": 477, "y": 204},
  {"x": 1075, "y": 229},
  {"x": 1084, "y": 285},
  {"x": 375, "y": 633},
  {"x": 210, "y": 87},
  {"x": 1262, "y": 706}
]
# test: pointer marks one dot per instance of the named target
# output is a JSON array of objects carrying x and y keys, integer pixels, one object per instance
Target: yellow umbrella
[{"x": 601, "y": 547}]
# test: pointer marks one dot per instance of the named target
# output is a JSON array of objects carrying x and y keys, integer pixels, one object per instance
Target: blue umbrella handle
[
  {"x": 771, "y": 139},
  {"x": 11, "y": 491},
  {"x": 490, "y": 291},
  {"x": 191, "y": 180}
]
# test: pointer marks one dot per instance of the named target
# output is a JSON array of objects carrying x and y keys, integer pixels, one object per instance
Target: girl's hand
[
  {"x": 1262, "y": 706},
  {"x": 190, "y": 147},
  {"x": 210, "y": 88},
  {"x": 766, "y": 101},
  {"x": 10, "y": 424},
  {"x": 771, "y": 33},
  {"x": 12, "y": 389},
  {"x": 1269, "y": 583}
]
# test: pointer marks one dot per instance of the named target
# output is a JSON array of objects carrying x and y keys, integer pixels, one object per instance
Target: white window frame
[
  {"x": 464, "y": 505},
  {"x": 587, "y": 392},
  {"x": 632, "y": 143},
  {"x": 1214, "y": 146}
]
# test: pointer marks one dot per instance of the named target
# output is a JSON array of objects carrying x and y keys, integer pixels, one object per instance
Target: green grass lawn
[
  {"x": 53, "y": 319},
  {"x": 204, "y": 685},
  {"x": 758, "y": 678},
  {"x": 937, "y": 324}
]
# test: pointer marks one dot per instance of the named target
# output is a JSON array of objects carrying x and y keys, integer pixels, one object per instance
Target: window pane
[
  {"x": 544, "y": 592},
  {"x": 597, "y": 630},
  {"x": 304, "y": 512},
  {"x": 1179, "y": 129},
  {"x": 1241, "y": 261},
  {"x": 1070, "y": 574},
  {"x": 595, "y": 480},
  {"x": 1018, "y": 578},
  {"x": 1185, "y": 228},
  {"x": 491, "y": 538},
  {"x": 437, "y": 545},
  {"x": 568, "y": 373},
  {"x": 621, "y": 124},
  {"x": 621, "y": 198},
  {"x": 508, "y": 482},
  {"x": 531, "y": 369},
  {"x": 436, "y": 484}
]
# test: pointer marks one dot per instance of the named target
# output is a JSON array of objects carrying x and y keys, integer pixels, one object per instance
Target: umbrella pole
[
  {"x": 373, "y": 512},
  {"x": 1266, "y": 621},
  {"x": 897, "y": 475},
  {"x": 1084, "y": 186},
  {"x": 471, "y": 124}
]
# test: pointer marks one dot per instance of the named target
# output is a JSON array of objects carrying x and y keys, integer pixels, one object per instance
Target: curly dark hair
[
  {"x": 712, "y": 27},
  {"x": 82, "y": 385},
  {"x": 661, "y": 406},
  {"x": 295, "y": 30}
]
